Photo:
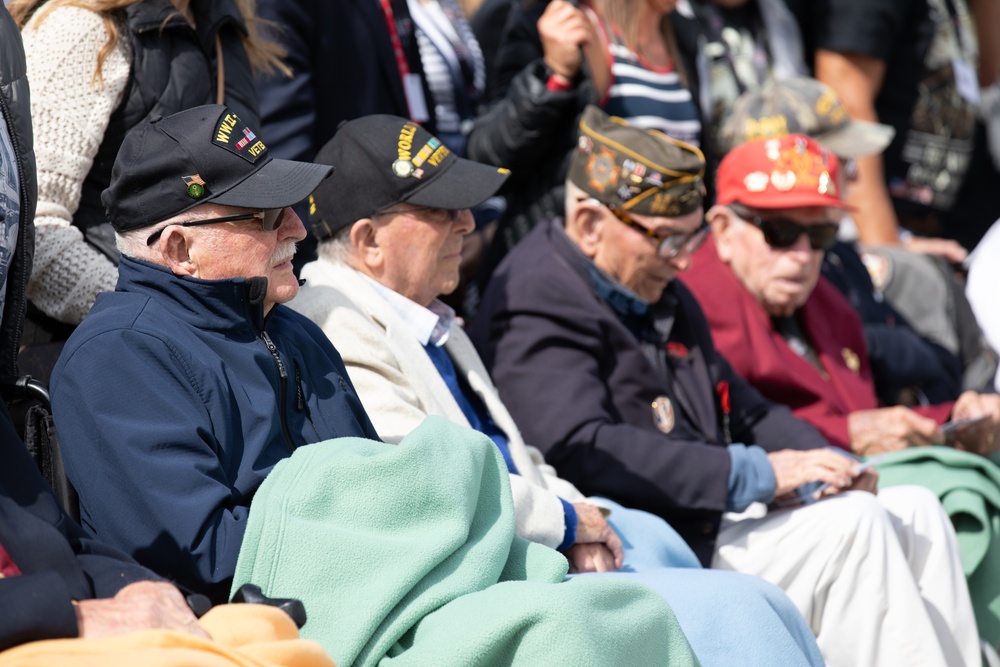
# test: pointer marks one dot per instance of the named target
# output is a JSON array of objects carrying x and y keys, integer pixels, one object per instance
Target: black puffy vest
[{"x": 174, "y": 67}]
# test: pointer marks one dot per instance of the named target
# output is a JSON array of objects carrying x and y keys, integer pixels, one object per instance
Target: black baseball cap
[
  {"x": 383, "y": 160},
  {"x": 205, "y": 154}
]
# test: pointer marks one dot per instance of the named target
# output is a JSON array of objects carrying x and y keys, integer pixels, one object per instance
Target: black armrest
[{"x": 251, "y": 594}]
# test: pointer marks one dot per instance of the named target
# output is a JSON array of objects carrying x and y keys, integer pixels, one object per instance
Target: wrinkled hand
[
  {"x": 946, "y": 248},
  {"x": 564, "y": 29},
  {"x": 982, "y": 438},
  {"x": 145, "y": 605},
  {"x": 889, "y": 430},
  {"x": 593, "y": 528},
  {"x": 793, "y": 468},
  {"x": 590, "y": 557}
]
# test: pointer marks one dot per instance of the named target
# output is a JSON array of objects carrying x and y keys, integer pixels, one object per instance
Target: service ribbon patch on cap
[{"x": 233, "y": 134}]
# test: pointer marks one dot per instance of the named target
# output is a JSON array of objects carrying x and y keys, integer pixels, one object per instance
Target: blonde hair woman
[{"x": 98, "y": 68}]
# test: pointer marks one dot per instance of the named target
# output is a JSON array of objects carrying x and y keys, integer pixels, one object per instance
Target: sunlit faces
[
  {"x": 421, "y": 250},
  {"x": 631, "y": 256},
  {"x": 781, "y": 279},
  {"x": 245, "y": 250}
]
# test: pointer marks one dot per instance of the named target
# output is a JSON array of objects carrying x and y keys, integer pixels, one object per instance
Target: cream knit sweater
[{"x": 70, "y": 114}]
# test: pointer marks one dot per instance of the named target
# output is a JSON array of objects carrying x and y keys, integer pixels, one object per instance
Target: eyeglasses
[
  {"x": 668, "y": 246},
  {"x": 452, "y": 214},
  {"x": 269, "y": 220},
  {"x": 782, "y": 233}
]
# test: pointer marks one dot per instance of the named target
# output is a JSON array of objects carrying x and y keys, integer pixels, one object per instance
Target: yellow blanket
[{"x": 243, "y": 635}]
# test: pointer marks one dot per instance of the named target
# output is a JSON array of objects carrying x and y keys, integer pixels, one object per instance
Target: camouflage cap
[
  {"x": 801, "y": 106},
  {"x": 641, "y": 171}
]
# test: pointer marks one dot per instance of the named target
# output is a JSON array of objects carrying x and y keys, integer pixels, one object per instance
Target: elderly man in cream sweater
[{"x": 391, "y": 226}]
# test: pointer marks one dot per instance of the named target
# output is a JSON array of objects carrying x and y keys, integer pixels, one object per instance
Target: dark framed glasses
[
  {"x": 668, "y": 246},
  {"x": 782, "y": 233},
  {"x": 269, "y": 220}
]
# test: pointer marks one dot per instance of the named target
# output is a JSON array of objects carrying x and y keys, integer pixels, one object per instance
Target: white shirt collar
[{"x": 428, "y": 325}]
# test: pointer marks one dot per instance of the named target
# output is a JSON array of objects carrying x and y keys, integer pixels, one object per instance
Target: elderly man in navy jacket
[
  {"x": 46, "y": 561},
  {"x": 607, "y": 364},
  {"x": 186, "y": 385}
]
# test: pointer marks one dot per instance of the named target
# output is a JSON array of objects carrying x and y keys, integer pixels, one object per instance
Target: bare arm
[{"x": 857, "y": 79}]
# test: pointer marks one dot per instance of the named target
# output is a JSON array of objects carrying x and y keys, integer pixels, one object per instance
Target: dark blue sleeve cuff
[{"x": 569, "y": 538}]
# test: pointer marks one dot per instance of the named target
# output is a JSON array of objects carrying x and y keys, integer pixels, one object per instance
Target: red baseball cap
[{"x": 786, "y": 172}]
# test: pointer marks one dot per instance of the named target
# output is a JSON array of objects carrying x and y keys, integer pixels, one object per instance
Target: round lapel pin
[{"x": 663, "y": 414}]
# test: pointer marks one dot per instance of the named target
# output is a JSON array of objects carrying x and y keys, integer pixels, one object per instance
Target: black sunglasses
[
  {"x": 668, "y": 246},
  {"x": 269, "y": 220},
  {"x": 783, "y": 233}
]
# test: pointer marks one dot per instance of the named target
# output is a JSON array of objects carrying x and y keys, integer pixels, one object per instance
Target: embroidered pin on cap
[{"x": 195, "y": 186}]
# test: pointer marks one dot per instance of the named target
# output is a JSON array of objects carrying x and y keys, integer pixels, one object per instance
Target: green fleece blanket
[
  {"x": 969, "y": 489},
  {"x": 407, "y": 555}
]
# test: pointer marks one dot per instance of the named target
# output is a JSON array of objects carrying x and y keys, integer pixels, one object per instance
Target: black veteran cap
[
  {"x": 642, "y": 171},
  {"x": 384, "y": 160},
  {"x": 204, "y": 154},
  {"x": 801, "y": 106}
]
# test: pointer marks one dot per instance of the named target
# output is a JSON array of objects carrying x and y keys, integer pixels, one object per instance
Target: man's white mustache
[{"x": 283, "y": 253}]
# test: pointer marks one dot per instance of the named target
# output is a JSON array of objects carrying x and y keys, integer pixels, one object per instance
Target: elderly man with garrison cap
[
  {"x": 607, "y": 365},
  {"x": 384, "y": 259},
  {"x": 186, "y": 385}
]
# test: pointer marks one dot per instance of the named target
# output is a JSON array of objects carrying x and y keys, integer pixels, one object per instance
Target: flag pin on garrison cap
[
  {"x": 663, "y": 414},
  {"x": 195, "y": 186}
]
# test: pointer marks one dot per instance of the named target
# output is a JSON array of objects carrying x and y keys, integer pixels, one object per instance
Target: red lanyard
[
  {"x": 8, "y": 568},
  {"x": 397, "y": 45}
]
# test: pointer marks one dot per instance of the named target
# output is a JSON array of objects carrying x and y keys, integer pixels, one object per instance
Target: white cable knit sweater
[{"x": 70, "y": 114}]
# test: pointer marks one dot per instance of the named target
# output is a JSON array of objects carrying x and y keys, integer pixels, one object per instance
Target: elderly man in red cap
[
  {"x": 787, "y": 331},
  {"x": 799, "y": 342}
]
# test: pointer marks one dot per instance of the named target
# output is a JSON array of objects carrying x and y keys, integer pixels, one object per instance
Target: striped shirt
[{"x": 650, "y": 97}]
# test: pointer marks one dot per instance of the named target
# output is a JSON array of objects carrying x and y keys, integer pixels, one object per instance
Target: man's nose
[
  {"x": 465, "y": 222},
  {"x": 291, "y": 226}
]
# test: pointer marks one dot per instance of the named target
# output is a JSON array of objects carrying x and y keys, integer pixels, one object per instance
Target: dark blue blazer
[
  {"x": 58, "y": 561},
  {"x": 580, "y": 386}
]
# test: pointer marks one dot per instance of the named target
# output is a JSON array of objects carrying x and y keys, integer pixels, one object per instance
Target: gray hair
[
  {"x": 133, "y": 242},
  {"x": 337, "y": 250}
]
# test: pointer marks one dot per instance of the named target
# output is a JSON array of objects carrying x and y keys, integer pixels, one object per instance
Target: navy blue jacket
[
  {"x": 900, "y": 358},
  {"x": 58, "y": 561},
  {"x": 174, "y": 399},
  {"x": 580, "y": 386}
]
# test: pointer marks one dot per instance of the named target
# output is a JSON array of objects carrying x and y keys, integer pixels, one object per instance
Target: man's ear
[
  {"x": 586, "y": 229},
  {"x": 367, "y": 253},
  {"x": 176, "y": 247},
  {"x": 724, "y": 229}
]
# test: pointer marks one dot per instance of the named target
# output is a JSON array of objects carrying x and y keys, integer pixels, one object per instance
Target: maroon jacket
[{"x": 744, "y": 334}]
